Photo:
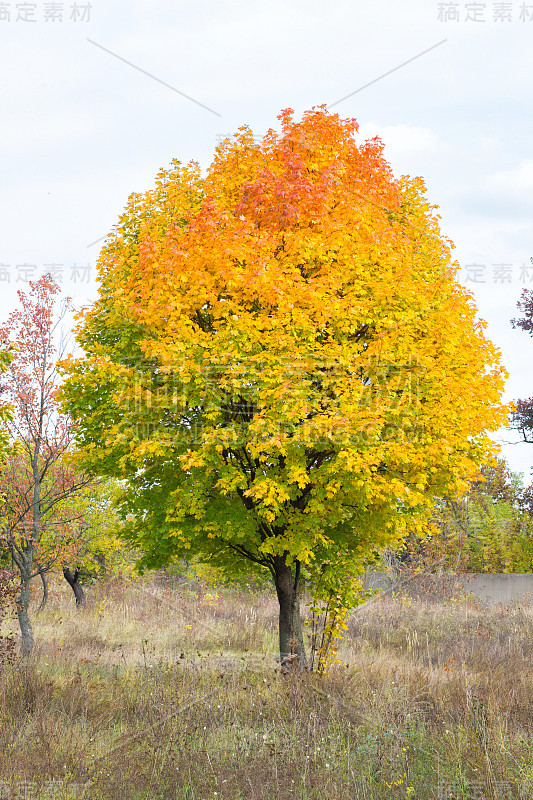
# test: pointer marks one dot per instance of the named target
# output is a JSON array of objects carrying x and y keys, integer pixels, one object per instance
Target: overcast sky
[{"x": 448, "y": 87}]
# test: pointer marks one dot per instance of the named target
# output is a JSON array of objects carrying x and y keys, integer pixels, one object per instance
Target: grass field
[{"x": 153, "y": 692}]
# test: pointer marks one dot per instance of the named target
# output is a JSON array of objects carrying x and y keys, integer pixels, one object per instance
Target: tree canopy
[{"x": 281, "y": 364}]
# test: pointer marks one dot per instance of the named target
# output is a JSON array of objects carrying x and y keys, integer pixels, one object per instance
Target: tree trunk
[
  {"x": 291, "y": 641},
  {"x": 23, "y": 602},
  {"x": 72, "y": 579},
  {"x": 45, "y": 591}
]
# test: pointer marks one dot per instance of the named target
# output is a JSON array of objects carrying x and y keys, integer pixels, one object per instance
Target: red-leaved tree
[{"x": 39, "y": 486}]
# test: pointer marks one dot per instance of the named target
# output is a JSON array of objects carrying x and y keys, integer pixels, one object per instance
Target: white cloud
[{"x": 515, "y": 181}]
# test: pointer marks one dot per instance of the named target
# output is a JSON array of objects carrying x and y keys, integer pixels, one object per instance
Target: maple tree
[
  {"x": 281, "y": 364},
  {"x": 37, "y": 484}
]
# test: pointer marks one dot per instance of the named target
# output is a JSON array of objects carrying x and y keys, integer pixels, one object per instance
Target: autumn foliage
[
  {"x": 7, "y": 586},
  {"x": 37, "y": 485},
  {"x": 280, "y": 363},
  {"x": 523, "y": 409}
]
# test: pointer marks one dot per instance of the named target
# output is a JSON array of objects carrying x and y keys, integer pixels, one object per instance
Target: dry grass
[{"x": 156, "y": 693}]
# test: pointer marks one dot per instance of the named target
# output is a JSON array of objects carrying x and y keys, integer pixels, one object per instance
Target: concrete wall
[
  {"x": 490, "y": 589},
  {"x": 505, "y": 588}
]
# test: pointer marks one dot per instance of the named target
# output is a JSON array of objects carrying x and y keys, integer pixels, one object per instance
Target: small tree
[
  {"x": 281, "y": 364},
  {"x": 38, "y": 485},
  {"x": 522, "y": 418},
  {"x": 102, "y": 548},
  {"x": 7, "y": 588},
  {"x": 488, "y": 529}
]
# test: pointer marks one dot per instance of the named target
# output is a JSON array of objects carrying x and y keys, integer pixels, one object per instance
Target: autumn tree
[
  {"x": 37, "y": 483},
  {"x": 522, "y": 418},
  {"x": 7, "y": 588},
  {"x": 487, "y": 529},
  {"x": 6, "y": 411},
  {"x": 103, "y": 551},
  {"x": 281, "y": 364}
]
